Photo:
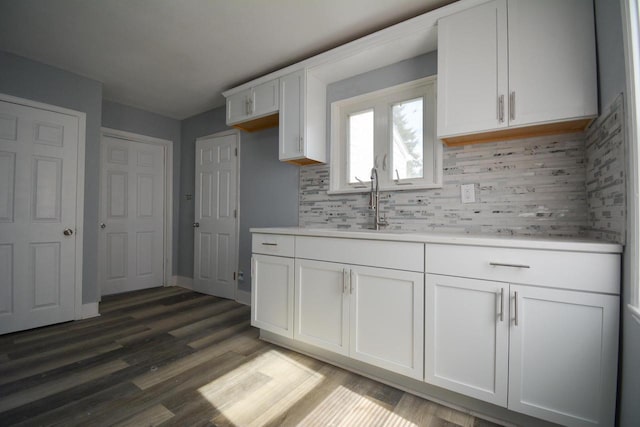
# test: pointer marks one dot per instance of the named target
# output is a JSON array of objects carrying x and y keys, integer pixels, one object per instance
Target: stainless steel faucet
[{"x": 374, "y": 200}]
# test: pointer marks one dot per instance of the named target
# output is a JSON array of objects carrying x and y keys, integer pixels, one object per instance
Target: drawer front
[
  {"x": 376, "y": 253},
  {"x": 569, "y": 270},
  {"x": 273, "y": 244}
]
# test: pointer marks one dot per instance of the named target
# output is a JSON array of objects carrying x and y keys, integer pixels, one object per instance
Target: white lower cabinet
[
  {"x": 467, "y": 336},
  {"x": 556, "y": 349},
  {"x": 272, "y": 294},
  {"x": 321, "y": 305},
  {"x": 563, "y": 355},
  {"x": 369, "y": 314}
]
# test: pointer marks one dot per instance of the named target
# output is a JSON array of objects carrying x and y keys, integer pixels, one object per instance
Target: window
[
  {"x": 393, "y": 130},
  {"x": 631, "y": 32}
]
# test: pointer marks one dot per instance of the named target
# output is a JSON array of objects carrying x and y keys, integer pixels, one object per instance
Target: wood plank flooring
[{"x": 172, "y": 357}]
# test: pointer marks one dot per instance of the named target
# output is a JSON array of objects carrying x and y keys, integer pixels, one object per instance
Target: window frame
[
  {"x": 631, "y": 35},
  {"x": 382, "y": 101}
]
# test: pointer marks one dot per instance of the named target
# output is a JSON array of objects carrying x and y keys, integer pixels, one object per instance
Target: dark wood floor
[{"x": 169, "y": 356}]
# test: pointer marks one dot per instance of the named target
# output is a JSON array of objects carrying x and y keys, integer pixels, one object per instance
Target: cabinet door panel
[
  {"x": 466, "y": 346},
  {"x": 291, "y": 93},
  {"x": 265, "y": 98},
  {"x": 552, "y": 63},
  {"x": 387, "y": 309},
  {"x": 237, "y": 108},
  {"x": 321, "y": 305},
  {"x": 272, "y": 294},
  {"x": 563, "y": 355},
  {"x": 472, "y": 69}
]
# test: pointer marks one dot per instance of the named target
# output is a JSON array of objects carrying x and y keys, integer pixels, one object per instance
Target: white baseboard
[
  {"x": 182, "y": 281},
  {"x": 243, "y": 297},
  {"x": 90, "y": 310}
]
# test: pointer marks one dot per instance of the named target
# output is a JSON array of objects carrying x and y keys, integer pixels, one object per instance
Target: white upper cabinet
[
  {"x": 472, "y": 70},
  {"x": 302, "y": 119},
  {"x": 552, "y": 61},
  {"x": 253, "y": 103},
  {"x": 508, "y": 65}
]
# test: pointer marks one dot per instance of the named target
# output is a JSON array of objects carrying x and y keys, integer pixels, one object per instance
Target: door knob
[
  {"x": 67, "y": 232},
  {"x": 103, "y": 225},
  {"x": 196, "y": 224}
]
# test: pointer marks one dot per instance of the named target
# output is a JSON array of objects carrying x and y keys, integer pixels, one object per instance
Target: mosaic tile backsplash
[
  {"x": 528, "y": 187},
  {"x": 606, "y": 182}
]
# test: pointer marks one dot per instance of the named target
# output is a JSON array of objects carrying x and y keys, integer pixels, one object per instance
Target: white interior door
[
  {"x": 216, "y": 223},
  {"x": 131, "y": 239},
  {"x": 38, "y": 180}
]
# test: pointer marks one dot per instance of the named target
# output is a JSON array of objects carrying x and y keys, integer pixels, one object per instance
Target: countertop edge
[{"x": 516, "y": 242}]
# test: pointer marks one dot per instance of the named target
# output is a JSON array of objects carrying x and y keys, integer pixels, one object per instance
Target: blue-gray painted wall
[
  {"x": 130, "y": 119},
  {"x": 611, "y": 82},
  {"x": 268, "y": 187},
  {"x": 32, "y": 80}
]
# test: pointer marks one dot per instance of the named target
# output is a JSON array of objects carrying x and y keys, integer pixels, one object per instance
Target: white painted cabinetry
[
  {"x": 253, "y": 103},
  {"x": 302, "y": 119},
  {"x": 272, "y": 283},
  {"x": 467, "y": 336},
  {"x": 511, "y": 64},
  {"x": 563, "y": 355},
  {"x": 369, "y": 314},
  {"x": 556, "y": 348}
]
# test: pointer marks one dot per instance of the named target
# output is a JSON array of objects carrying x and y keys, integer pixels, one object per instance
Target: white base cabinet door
[
  {"x": 386, "y": 311},
  {"x": 272, "y": 294},
  {"x": 322, "y": 305},
  {"x": 563, "y": 355},
  {"x": 467, "y": 336}
]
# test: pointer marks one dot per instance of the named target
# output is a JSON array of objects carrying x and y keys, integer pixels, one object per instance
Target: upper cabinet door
[
  {"x": 238, "y": 106},
  {"x": 472, "y": 70},
  {"x": 264, "y": 99},
  {"x": 552, "y": 61},
  {"x": 291, "y": 126}
]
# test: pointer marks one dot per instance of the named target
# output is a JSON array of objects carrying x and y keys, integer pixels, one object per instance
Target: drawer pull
[
  {"x": 270, "y": 244},
  {"x": 501, "y": 296},
  {"x": 502, "y": 264},
  {"x": 515, "y": 307}
]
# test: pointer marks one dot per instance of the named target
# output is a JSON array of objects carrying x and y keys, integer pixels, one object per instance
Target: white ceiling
[{"x": 175, "y": 57}]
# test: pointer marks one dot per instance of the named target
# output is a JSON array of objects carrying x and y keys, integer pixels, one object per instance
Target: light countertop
[{"x": 524, "y": 242}]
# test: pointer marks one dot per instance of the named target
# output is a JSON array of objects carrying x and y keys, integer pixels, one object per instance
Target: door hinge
[
  {"x": 235, "y": 213},
  {"x": 234, "y": 275},
  {"x": 236, "y": 151}
]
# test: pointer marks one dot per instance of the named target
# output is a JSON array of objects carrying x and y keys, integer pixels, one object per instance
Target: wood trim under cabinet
[
  {"x": 517, "y": 133},
  {"x": 260, "y": 123}
]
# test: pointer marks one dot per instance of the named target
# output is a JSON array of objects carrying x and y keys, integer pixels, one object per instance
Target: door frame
[
  {"x": 237, "y": 254},
  {"x": 79, "y": 226},
  {"x": 167, "y": 227}
]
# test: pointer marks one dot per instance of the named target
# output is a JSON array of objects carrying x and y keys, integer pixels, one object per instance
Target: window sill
[
  {"x": 635, "y": 312},
  {"x": 385, "y": 189}
]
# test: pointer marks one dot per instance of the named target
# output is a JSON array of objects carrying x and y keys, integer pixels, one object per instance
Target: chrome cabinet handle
[
  {"x": 351, "y": 282},
  {"x": 515, "y": 307},
  {"x": 196, "y": 224},
  {"x": 512, "y": 105},
  {"x": 504, "y": 264},
  {"x": 501, "y": 108},
  {"x": 345, "y": 280},
  {"x": 67, "y": 232},
  {"x": 501, "y": 296},
  {"x": 269, "y": 244}
]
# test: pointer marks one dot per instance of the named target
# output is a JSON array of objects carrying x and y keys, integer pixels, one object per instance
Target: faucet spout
[{"x": 374, "y": 200}]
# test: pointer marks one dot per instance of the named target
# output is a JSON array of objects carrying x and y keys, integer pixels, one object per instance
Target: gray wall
[
  {"x": 32, "y": 80},
  {"x": 268, "y": 187},
  {"x": 130, "y": 119},
  {"x": 611, "y": 82}
]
